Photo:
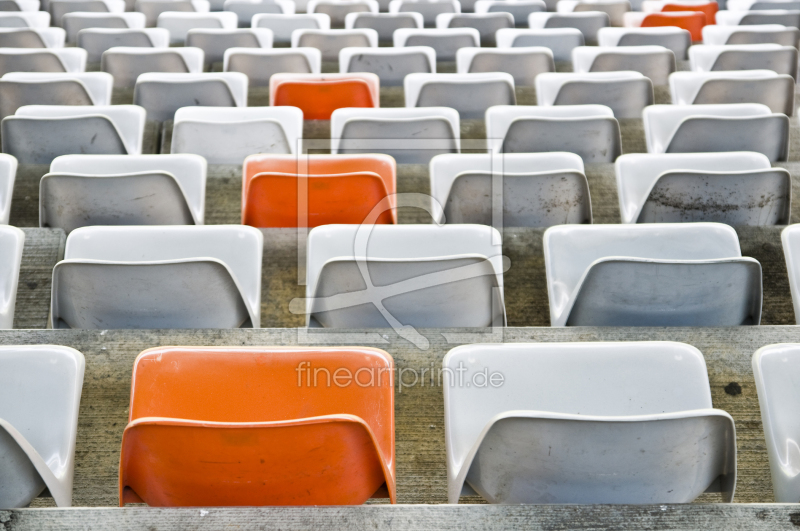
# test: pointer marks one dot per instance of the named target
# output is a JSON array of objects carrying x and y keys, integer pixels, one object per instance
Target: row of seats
[{"x": 303, "y": 426}]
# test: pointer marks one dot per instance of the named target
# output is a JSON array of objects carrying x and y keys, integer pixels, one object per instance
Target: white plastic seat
[
  {"x": 487, "y": 24},
  {"x": 524, "y": 64},
  {"x": 534, "y": 189},
  {"x": 159, "y": 277},
  {"x": 737, "y": 86},
  {"x": 246, "y": 9},
  {"x": 214, "y": 42},
  {"x": 787, "y": 17},
  {"x": 37, "y": 134},
  {"x": 163, "y": 94},
  {"x": 615, "y": 9},
  {"x": 39, "y": 402},
  {"x": 85, "y": 190},
  {"x": 446, "y": 42},
  {"x": 659, "y": 274},
  {"x": 59, "y": 8},
  {"x": 97, "y": 40},
  {"x": 561, "y": 41},
  {"x": 676, "y": 39},
  {"x": 421, "y": 275},
  {"x": 519, "y": 9},
  {"x": 42, "y": 60},
  {"x": 260, "y": 63},
  {"x": 588, "y": 22},
  {"x": 331, "y": 42},
  {"x": 283, "y": 26},
  {"x": 781, "y": 59},
  {"x": 590, "y": 131},
  {"x": 624, "y": 92},
  {"x": 25, "y": 19},
  {"x": 761, "y": 5},
  {"x": 654, "y": 62},
  {"x": 127, "y": 64},
  {"x": 761, "y": 34},
  {"x": 775, "y": 368},
  {"x": 77, "y": 21},
  {"x": 737, "y": 188},
  {"x": 53, "y": 88},
  {"x": 584, "y": 423},
  {"x": 469, "y": 94},
  {"x": 429, "y": 9},
  {"x": 32, "y": 37},
  {"x": 8, "y": 175},
  {"x": 153, "y": 8},
  {"x": 409, "y": 135},
  {"x": 339, "y": 9},
  {"x": 179, "y": 24},
  {"x": 12, "y": 240},
  {"x": 227, "y": 135},
  {"x": 716, "y": 128},
  {"x": 26, "y": 6},
  {"x": 391, "y": 65},
  {"x": 384, "y": 23}
]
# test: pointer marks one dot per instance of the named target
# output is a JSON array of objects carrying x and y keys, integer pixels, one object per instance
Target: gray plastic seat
[
  {"x": 532, "y": 189},
  {"x": 654, "y": 62},
  {"x": 180, "y": 24},
  {"x": 560, "y": 41},
  {"x": 590, "y": 131},
  {"x": 331, "y": 42},
  {"x": 42, "y": 60},
  {"x": 487, "y": 24},
  {"x": 86, "y": 190},
  {"x": 246, "y": 9},
  {"x": 446, "y": 42},
  {"x": 627, "y": 93},
  {"x": 260, "y": 63},
  {"x": 32, "y": 37},
  {"x": 615, "y": 9},
  {"x": 39, "y": 402},
  {"x": 163, "y": 94},
  {"x": 153, "y": 8},
  {"x": 676, "y": 39},
  {"x": 429, "y": 9},
  {"x": 391, "y": 65},
  {"x": 738, "y": 86},
  {"x": 384, "y": 23},
  {"x": 657, "y": 274},
  {"x": 59, "y": 8},
  {"x": 781, "y": 59},
  {"x": 24, "y": 19},
  {"x": 588, "y": 22},
  {"x": 283, "y": 26},
  {"x": 159, "y": 277},
  {"x": 73, "y": 23},
  {"x": 519, "y": 9},
  {"x": 97, "y": 40},
  {"x": 45, "y": 88},
  {"x": 127, "y": 64},
  {"x": 339, "y": 9},
  {"x": 469, "y": 94},
  {"x": 214, "y": 42},
  {"x": 524, "y": 64},
  {"x": 786, "y": 17},
  {"x": 760, "y": 34}
]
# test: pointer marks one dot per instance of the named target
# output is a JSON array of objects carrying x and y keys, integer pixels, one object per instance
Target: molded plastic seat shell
[
  {"x": 786, "y": 17},
  {"x": 588, "y": 22},
  {"x": 35, "y": 37},
  {"x": 75, "y": 22},
  {"x": 127, "y": 64},
  {"x": 70, "y": 60},
  {"x": 153, "y": 8},
  {"x": 246, "y": 9},
  {"x": 179, "y": 24},
  {"x": 487, "y": 24},
  {"x": 561, "y": 41},
  {"x": 654, "y": 62},
  {"x": 283, "y": 26},
  {"x": 161, "y": 94},
  {"x": 391, "y": 65},
  {"x": 737, "y": 86},
  {"x": 215, "y": 42},
  {"x": 524, "y": 64},
  {"x": 469, "y": 94},
  {"x": 59, "y": 8},
  {"x": 615, "y": 9},
  {"x": 781, "y": 59},
  {"x": 12, "y": 241},
  {"x": 429, "y": 9},
  {"x": 25, "y": 19},
  {"x": 319, "y": 95},
  {"x": 384, "y": 23},
  {"x": 519, "y": 9},
  {"x": 339, "y": 9},
  {"x": 331, "y": 42},
  {"x": 446, "y": 42},
  {"x": 673, "y": 38},
  {"x": 97, "y": 40},
  {"x": 691, "y": 21},
  {"x": 259, "y": 64},
  {"x": 626, "y": 93},
  {"x": 53, "y": 88},
  {"x": 790, "y": 238},
  {"x": 760, "y": 34}
]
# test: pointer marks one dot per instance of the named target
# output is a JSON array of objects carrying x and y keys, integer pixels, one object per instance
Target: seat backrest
[
  {"x": 97, "y": 40},
  {"x": 153, "y": 8},
  {"x": 245, "y": 9},
  {"x": 470, "y": 94},
  {"x": 259, "y": 64},
  {"x": 331, "y": 42},
  {"x": 215, "y": 42},
  {"x": 673, "y": 38},
  {"x": 561, "y": 41},
  {"x": 653, "y": 62},
  {"x": 339, "y": 9},
  {"x": 42, "y": 60},
  {"x": 446, "y": 42},
  {"x": 626, "y": 93},
  {"x": 522, "y": 63},
  {"x": 691, "y": 21},
  {"x": 487, "y": 24},
  {"x": 429, "y": 9},
  {"x": 32, "y": 37},
  {"x": 283, "y": 26},
  {"x": 319, "y": 95},
  {"x": 588, "y": 22},
  {"x": 127, "y": 64},
  {"x": 761, "y": 34},
  {"x": 179, "y": 24},
  {"x": 24, "y": 19},
  {"x": 738, "y": 86},
  {"x": 59, "y": 8},
  {"x": 161, "y": 94},
  {"x": 384, "y": 23},
  {"x": 75, "y": 22},
  {"x": 781, "y": 59},
  {"x": 519, "y": 9},
  {"x": 391, "y": 65}
]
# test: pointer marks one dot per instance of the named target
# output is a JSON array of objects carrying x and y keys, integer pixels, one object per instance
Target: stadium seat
[
  {"x": 537, "y": 432},
  {"x": 615, "y": 9},
  {"x": 153, "y": 8},
  {"x": 391, "y": 65},
  {"x": 709, "y": 9},
  {"x": 179, "y": 24},
  {"x": 429, "y": 9},
  {"x": 59, "y": 8},
  {"x": 673, "y": 38},
  {"x": 8, "y": 174},
  {"x": 588, "y": 22},
  {"x": 70, "y": 60},
  {"x": 421, "y": 276},
  {"x": 654, "y": 62},
  {"x": 24, "y": 19},
  {"x": 519, "y": 9},
  {"x": 561, "y": 41},
  {"x": 384, "y": 23},
  {"x": 763, "y": 34},
  {"x": 590, "y": 131},
  {"x": 655, "y": 274},
  {"x": 227, "y": 135},
  {"x": 163, "y": 94},
  {"x": 409, "y": 135},
  {"x": 159, "y": 277},
  {"x": 319, "y": 95},
  {"x": 339, "y": 9},
  {"x": 215, "y": 42},
  {"x": 781, "y": 59},
  {"x": 32, "y": 37},
  {"x": 736, "y": 188},
  {"x": 97, "y": 40},
  {"x": 469, "y": 94},
  {"x": 77, "y": 21},
  {"x": 53, "y": 88},
  {"x": 738, "y": 86},
  {"x": 12, "y": 241},
  {"x": 786, "y": 17},
  {"x": 20, "y": 6},
  {"x": 39, "y": 402},
  {"x": 624, "y": 92},
  {"x": 524, "y": 64},
  {"x": 720, "y": 127},
  {"x": 446, "y": 42},
  {"x": 259, "y": 64},
  {"x": 761, "y": 5},
  {"x": 331, "y": 42},
  {"x": 340, "y": 189},
  {"x": 36, "y": 134},
  {"x": 127, "y": 64},
  {"x": 691, "y": 21},
  {"x": 487, "y": 24},
  {"x": 533, "y": 189},
  {"x": 283, "y": 26},
  {"x": 775, "y": 369},
  {"x": 85, "y": 190},
  {"x": 284, "y": 443},
  {"x": 246, "y": 9}
]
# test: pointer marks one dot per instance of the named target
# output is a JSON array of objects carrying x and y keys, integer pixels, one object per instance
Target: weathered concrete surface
[
  {"x": 43, "y": 249},
  {"x": 419, "y": 409}
]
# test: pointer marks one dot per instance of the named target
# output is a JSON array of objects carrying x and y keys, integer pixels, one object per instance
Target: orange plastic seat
[
  {"x": 259, "y": 426},
  {"x": 692, "y": 21},
  {"x": 341, "y": 189},
  {"x": 710, "y": 9},
  {"x": 319, "y": 95}
]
